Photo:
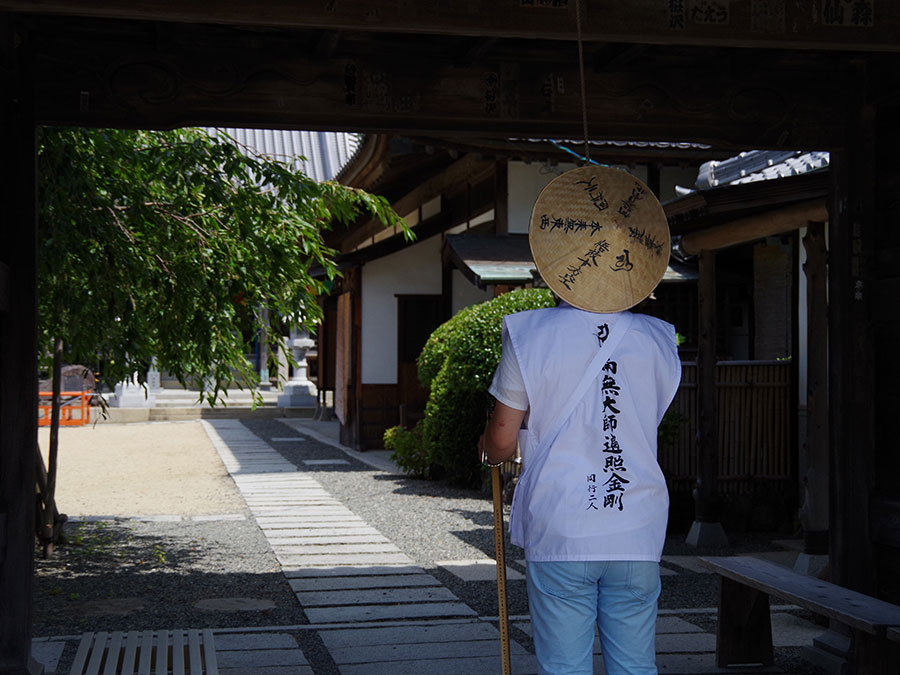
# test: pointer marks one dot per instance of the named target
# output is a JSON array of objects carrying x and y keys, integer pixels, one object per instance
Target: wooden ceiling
[{"x": 750, "y": 74}]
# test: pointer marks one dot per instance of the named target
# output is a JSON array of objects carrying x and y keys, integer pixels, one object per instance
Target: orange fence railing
[{"x": 74, "y": 411}]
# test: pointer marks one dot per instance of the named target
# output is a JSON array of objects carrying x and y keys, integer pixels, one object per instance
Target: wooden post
[
  {"x": 18, "y": 364},
  {"x": 852, "y": 402},
  {"x": 814, "y": 481},
  {"x": 707, "y": 530}
]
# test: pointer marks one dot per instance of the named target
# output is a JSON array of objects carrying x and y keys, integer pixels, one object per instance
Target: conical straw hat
[{"x": 599, "y": 238}]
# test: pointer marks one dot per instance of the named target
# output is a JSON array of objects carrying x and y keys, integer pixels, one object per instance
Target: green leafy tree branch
[{"x": 167, "y": 245}]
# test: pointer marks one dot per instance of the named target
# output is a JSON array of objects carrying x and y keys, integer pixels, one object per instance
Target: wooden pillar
[
  {"x": 707, "y": 530},
  {"x": 18, "y": 349},
  {"x": 815, "y": 463},
  {"x": 851, "y": 345}
]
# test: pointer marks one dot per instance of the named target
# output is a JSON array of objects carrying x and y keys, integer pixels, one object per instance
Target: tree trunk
[{"x": 48, "y": 527}]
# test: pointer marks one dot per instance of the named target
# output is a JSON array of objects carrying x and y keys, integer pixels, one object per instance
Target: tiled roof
[
  {"x": 757, "y": 165},
  {"x": 325, "y": 152}
]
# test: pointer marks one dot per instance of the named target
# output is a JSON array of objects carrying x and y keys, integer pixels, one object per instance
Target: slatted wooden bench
[
  {"x": 744, "y": 628},
  {"x": 175, "y": 652}
]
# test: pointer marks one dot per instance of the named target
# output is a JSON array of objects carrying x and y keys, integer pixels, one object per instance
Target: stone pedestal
[
  {"x": 299, "y": 392},
  {"x": 131, "y": 395},
  {"x": 154, "y": 379},
  {"x": 708, "y": 535}
]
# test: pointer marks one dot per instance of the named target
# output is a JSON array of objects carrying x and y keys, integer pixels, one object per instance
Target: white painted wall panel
[
  {"x": 466, "y": 293},
  {"x": 414, "y": 270}
]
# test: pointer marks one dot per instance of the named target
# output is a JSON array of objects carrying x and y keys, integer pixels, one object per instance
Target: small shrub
[
  {"x": 408, "y": 451},
  {"x": 457, "y": 365},
  {"x": 669, "y": 429}
]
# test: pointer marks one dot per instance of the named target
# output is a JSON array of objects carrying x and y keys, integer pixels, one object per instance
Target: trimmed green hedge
[{"x": 457, "y": 365}]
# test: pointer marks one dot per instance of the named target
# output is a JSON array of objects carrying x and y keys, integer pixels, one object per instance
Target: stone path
[{"x": 347, "y": 575}]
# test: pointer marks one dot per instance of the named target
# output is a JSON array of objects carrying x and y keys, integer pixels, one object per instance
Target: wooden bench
[
  {"x": 176, "y": 652},
  {"x": 744, "y": 629}
]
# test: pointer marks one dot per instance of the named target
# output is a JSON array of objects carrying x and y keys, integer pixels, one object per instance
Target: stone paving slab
[
  {"x": 331, "y": 559},
  {"x": 381, "y": 612},
  {"x": 343, "y": 570},
  {"x": 444, "y": 632},
  {"x": 665, "y": 626},
  {"x": 521, "y": 665},
  {"x": 477, "y": 570},
  {"x": 415, "y": 651},
  {"x": 374, "y": 596},
  {"x": 348, "y": 583},
  {"x": 317, "y": 549},
  {"x": 250, "y": 641},
  {"x": 297, "y": 522},
  {"x": 47, "y": 653},
  {"x": 246, "y": 658},
  {"x": 268, "y": 670},
  {"x": 367, "y": 538},
  {"x": 317, "y": 529},
  {"x": 674, "y": 624}
]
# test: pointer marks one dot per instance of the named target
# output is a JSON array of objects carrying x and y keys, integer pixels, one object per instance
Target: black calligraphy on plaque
[
  {"x": 623, "y": 263},
  {"x": 714, "y": 12},
  {"x": 491, "y": 93},
  {"x": 614, "y": 462},
  {"x": 589, "y": 259},
  {"x": 642, "y": 237},
  {"x": 568, "y": 225},
  {"x": 350, "y": 84},
  {"x": 553, "y": 4},
  {"x": 859, "y": 13},
  {"x": 676, "y": 14}
]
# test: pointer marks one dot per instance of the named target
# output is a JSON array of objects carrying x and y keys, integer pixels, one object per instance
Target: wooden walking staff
[{"x": 499, "y": 545}]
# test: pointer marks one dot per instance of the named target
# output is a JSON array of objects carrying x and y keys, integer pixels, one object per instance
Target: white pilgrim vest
[{"x": 591, "y": 488}]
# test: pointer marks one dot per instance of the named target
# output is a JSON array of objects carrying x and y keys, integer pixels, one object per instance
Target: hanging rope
[{"x": 587, "y": 148}]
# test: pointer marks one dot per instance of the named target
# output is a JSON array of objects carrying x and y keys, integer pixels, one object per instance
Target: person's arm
[{"x": 501, "y": 434}]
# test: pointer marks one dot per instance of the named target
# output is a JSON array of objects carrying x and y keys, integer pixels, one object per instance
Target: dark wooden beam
[
  {"x": 115, "y": 83},
  {"x": 743, "y": 230},
  {"x": 852, "y": 308},
  {"x": 814, "y": 460},
  {"x": 828, "y": 26},
  {"x": 4, "y": 287},
  {"x": 18, "y": 356},
  {"x": 468, "y": 169},
  {"x": 706, "y": 492}
]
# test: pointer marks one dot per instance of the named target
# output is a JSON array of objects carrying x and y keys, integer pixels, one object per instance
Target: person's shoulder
[{"x": 532, "y": 316}]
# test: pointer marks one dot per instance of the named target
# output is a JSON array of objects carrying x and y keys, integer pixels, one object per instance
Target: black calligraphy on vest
[{"x": 614, "y": 487}]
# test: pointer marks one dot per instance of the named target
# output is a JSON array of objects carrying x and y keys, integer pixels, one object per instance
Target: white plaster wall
[
  {"x": 465, "y": 293},
  {"x": 414, "y": 270}
]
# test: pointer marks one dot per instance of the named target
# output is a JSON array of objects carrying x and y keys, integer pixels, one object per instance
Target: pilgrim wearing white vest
[{"x": 581, "y": 391}]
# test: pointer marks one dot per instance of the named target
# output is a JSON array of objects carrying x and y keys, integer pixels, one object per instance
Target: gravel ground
[
  {"x": 127, "y": 574},
  {"x": 131, "y": 575}
]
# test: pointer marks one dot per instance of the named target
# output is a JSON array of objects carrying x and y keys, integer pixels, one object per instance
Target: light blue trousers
[{"x": 567, "y": 598}]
